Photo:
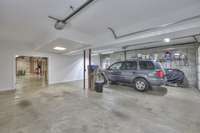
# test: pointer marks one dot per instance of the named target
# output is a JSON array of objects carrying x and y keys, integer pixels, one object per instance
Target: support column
[
  {"x": 89, "y": 73},
  {"x": 198, "y": 68},
  {"x": 84, "y": 68},
  {"x": 31, "y": 65},
  {"x": 125, "y": 55}
]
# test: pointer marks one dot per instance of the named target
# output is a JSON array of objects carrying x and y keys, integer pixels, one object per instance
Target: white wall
[
  {"x": 68, "y": 68},
  {"x": 6, "y": 69},
  {"x": 198, "y": 67},
  {"x": 61, "y": 68},
  {"x": 7, "y": 64},
  {"x": 64, "y": 69}
]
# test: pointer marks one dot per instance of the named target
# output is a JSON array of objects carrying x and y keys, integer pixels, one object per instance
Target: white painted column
[{"x": 198, "y": 68}]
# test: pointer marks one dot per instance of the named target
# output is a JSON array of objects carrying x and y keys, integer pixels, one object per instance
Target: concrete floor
[{"x": 65, "y": 108}]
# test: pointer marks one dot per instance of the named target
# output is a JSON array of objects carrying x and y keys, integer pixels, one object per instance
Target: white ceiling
[
  {"x": 121, "y": 14},
  {"x": 26, "y": 21},
  {"x": 70, "y": 45}
]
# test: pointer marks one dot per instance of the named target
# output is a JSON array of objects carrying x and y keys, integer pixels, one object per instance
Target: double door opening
[{"x": 31, "y": 72}]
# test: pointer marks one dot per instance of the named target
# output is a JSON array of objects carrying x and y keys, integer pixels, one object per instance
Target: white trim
[
  {"x": 3, "y": 90},
  {"x": 67, "y": 81}
]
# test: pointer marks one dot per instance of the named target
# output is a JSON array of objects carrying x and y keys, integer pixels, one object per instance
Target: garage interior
[{"x": 54, "y": 56}]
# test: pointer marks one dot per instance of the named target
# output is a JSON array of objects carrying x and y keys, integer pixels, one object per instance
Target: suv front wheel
[{"x": 141, "y": 84}]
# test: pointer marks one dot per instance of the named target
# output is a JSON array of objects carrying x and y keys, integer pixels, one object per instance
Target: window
[
  {"x": 116, "y": 66},
  {"x": 130, "y": 65},
  {"x": 146, "y": 65}
]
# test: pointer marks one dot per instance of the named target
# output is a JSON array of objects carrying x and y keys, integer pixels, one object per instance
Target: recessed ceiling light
[
  {"x": 59, "y": 48},
  {"x": 167, "y": 40}
]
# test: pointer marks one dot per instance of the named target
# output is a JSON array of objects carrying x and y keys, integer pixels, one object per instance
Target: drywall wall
[
  {"x": 61, "y": 68},
  {"x": 7, "y": 64},
  {"x": 198, "y": 67},
  {"x": 6, "y": 69},
  {"x": 65, "y": 69}
]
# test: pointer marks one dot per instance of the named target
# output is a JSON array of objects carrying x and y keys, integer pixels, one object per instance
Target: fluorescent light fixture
[
  {"x": 108, "y": 52},
  {"x": 177, "y": 54},
  {"x": 75, "y": 52},
  {"x": 59, "y": 48},
  {"x": 95, "y": 54},
  {"x": 167, "y": 40},
  {"x": 168, "y": 49}
]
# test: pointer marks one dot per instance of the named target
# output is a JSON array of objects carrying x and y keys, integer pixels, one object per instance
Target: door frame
[{"x": 15, "y": 63}]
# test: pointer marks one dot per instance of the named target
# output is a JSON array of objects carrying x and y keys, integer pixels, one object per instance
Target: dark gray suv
[{"x": 143, "y": 74}]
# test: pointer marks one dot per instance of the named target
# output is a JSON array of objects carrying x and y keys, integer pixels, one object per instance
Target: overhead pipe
[
  {"x": 78, "y": 10},
  {"x": 60, "y": 23},
  {"x": 152, "y": 29}
]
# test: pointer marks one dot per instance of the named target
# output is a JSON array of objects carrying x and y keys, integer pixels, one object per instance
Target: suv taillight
[{"x": 160, "y": 74}]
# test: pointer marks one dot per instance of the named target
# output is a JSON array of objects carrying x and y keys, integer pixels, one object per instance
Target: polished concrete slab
[{"x": 66, "y": 108}]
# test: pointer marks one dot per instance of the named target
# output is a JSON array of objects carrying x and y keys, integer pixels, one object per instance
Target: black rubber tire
[{"x": 145, "y": 84}]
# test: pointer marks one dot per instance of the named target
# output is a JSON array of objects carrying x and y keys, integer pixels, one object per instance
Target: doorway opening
[{"x": 31, "y": 73}]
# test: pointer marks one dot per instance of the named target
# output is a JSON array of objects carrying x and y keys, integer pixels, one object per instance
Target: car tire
[{"x": 141, "y": 84}]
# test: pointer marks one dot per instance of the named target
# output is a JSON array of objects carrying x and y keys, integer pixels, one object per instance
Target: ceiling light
[
  {"x": 104, "y": 51},
  {"x": 59, "y": 48},
  {"x": 95, "y": 54},
  {"x": 168, "y": 49},
  {"x": 108, "y": 52},
  {"x": 167, "y": 40},
  {"x": 177, "y": 54}
]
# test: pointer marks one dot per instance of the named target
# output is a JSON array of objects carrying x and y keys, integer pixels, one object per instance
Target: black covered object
[
  {"x": 175, "y": 76},
  {"x": 92, "y": 68},
  {"x": 99, "y": 87}
]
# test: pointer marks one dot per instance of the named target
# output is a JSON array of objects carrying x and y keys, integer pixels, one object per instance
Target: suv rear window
[{"x": 146, "y": 65}]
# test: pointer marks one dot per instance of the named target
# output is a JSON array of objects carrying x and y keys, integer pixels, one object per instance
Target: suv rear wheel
[{"x": 141, "y": 84}]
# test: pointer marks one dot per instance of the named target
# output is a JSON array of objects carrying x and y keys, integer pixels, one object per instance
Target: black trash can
[{"x": 99, "y": 87}]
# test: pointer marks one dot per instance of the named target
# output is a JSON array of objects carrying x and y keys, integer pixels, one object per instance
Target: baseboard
[
  {"x": 67, "y": 81},
  {"x": 7, "y": 90}
]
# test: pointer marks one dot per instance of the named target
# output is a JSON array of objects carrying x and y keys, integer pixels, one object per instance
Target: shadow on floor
[{"x": 156, "y": 91}]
